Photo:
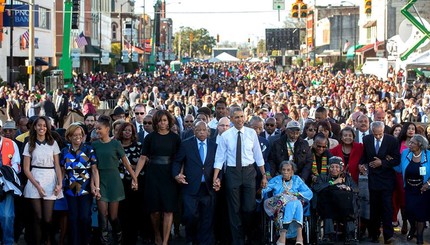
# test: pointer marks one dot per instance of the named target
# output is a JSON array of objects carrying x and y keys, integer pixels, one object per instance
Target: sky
[{"x": 233, "y": 20}]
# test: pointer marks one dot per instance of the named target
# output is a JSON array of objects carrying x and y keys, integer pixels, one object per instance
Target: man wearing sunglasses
[{"x": 269, "y": 128}]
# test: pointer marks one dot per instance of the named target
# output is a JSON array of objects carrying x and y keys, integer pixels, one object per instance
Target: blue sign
[{"x": 22, "y": 16}]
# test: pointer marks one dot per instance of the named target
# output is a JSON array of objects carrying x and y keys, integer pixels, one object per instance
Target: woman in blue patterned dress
[{"x": 79, "y": 163}]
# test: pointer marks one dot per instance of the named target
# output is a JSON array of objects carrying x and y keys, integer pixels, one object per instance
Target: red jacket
[{"x": 354, "y": 158}]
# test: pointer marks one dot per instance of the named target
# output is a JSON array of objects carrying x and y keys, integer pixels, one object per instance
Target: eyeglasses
[
  {"x": 188, "y": 121},
  {"x": 147, "y": 123},
  {"x": 311, "y": 129},
  {"x": 223, "y": 125},
  {"x": 139, "y": 113},
  {"x": 413, "y": 143},
  {"x": 321, "y": 146},
  {"x": 270, "y": 125}
]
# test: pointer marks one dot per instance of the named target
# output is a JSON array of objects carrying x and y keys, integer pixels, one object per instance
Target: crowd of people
[{"x": 200, "y": 147}]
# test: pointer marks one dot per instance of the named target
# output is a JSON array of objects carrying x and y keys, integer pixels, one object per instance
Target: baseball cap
[{"x": 293, "y": 125}]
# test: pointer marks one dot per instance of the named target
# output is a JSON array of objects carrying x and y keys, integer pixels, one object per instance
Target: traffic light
[
  {"x": 75, "y": 14},
  {"x": 295, "y": 10},
  {"x": 191, "y": 36},
  {"x": 303, "y": 10},
  {"x": 249, "y": 40},
  {"x": 367, "y": 6},
  {"x": 217, "y": 38}
]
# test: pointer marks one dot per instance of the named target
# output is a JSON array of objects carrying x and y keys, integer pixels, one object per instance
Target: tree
[
  {"x": 201, "y": 42},
  {"x": 261, "y": 48}
]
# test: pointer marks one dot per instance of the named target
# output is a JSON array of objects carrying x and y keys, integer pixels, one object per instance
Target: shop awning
[
  {"x": 369, "y": 24},
  {"x": 351, "y": 51},
  {"x": 369, "y": 47},
  {"x": 40, "y": 62}
]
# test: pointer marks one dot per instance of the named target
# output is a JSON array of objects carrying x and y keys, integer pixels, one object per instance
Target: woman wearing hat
[
  {"x": 415, "y": 168},
  {"x": 335, "y": 198}
]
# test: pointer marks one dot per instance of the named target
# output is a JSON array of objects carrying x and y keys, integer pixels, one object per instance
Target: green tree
[
  {"x": 261, "y": 48},
  {"x": 202, "y": 42}
]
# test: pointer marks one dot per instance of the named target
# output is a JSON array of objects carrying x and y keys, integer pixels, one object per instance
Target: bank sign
[{"x": 22, "y": 16}]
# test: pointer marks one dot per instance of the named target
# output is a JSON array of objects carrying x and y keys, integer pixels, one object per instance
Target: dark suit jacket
[
  {"x": 63, "y": 108},
  {"x": 273, "y": 138},
  {"x": 14, "y": 111},
  {"x": 383, "y": 177},
  {"x": 302, "y": 156},
  {"x": 188, "y": 156}
]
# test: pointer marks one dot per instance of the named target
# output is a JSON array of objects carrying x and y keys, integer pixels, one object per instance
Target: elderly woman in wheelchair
[
  {"x": 335, "y": 192},
  {"x": 286, "y": 204}
]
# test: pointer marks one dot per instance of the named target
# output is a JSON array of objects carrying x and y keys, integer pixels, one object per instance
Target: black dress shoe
[{"x": 410, "y": 235}]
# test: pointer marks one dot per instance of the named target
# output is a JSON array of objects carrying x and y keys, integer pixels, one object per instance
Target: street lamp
[{"x": 131, "y": 2}]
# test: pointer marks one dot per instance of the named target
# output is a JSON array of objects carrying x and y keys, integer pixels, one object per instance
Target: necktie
[
  {"x": 238, "y": 151},
  {"x": 362, "y": 136},
  {"x": 140, "y": 128},
  {"x": 202, "y": 152},
  {"x": 378, "y": 144}
]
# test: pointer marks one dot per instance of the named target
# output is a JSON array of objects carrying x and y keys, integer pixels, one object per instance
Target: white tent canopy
[
  {"x": 421, "y": 60},
  {"x": 213, "y": 60},
  {"x": 224, "y": 57}
]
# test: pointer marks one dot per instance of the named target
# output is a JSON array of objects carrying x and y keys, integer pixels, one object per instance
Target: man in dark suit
[
  {"x": 269, "y": 128},
  {"x": 381, "y": 153},
  {"x": 61, "y": 107},
  {"x": 15, "y": 107},
  {"x": 197, "y": 155}
]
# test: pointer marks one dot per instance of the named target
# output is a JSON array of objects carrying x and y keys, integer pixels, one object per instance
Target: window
[
  {"x": 44, "y": 20},
  {"x": 114, "y": 31}
]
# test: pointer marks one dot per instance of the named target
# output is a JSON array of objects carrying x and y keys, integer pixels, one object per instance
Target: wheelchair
[
  {"x": 340, "y": 226},
  {"x": 270, "y": 233}
]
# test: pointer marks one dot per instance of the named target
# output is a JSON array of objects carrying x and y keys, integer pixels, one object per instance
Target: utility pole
[
  {"x": 100, "y": 34},
  {"x": 31, "y": 76},
  {"x": 12, "y": 20},
  {"x": 66, "y": 61}
]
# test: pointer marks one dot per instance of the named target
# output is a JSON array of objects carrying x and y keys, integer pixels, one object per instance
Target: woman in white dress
[{"x": 41, "y": 166}]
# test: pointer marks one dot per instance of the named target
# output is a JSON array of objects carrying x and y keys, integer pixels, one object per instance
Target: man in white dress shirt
[{"x": 239, "y": 148}]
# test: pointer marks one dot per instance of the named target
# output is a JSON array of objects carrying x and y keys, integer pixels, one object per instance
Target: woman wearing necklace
[
  {"x": 79, "y": 159},
  {"x": 335, "y": 199},
  {"x": 42, "y": 168},
  {"x": 290, "y": 190},
  {"x": 109, "y": 152},
  {"x": 415, "y": 168},
  {"x": 130, "y": 209},
  {"x": 408, "y": 130}
]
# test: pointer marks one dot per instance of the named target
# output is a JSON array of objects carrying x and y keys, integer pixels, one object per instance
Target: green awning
[{"x": 352, "y": 49}]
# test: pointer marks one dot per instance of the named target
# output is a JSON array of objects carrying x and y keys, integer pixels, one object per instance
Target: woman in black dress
[
  {"x": 158, "y": 151},
  {"x": 415, "y": 167}
]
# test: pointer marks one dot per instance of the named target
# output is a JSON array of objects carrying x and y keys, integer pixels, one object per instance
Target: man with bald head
[
  {"x": 269, "y": 128},
  {"x": 379, "y": 116},
  {"x": 196, "y": 157},
  {"x": 223, "y": 125}
]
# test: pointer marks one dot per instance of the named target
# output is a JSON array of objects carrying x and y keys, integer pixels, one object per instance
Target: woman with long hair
[
  {"x": 161, "y": 194},
  {"x": 42, "y": 168},
  {"x": 110, "y": 190}
]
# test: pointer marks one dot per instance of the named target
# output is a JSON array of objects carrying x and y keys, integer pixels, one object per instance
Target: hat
[
  {"x": 204, "y": 110},
  {"x": 118, "y": 111},
  {"x": 293, "y": 125},
  {"x": 335, "y": 160},
  {"x": 9, "y": 125}
]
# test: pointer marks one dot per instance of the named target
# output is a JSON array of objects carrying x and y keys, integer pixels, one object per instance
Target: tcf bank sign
[{"x": 22, "y": 16}]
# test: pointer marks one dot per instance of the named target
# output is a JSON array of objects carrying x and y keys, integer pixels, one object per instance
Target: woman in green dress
[{"x": 109, "y": 187}]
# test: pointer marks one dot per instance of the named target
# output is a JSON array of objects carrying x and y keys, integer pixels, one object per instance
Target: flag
[
  {"x": 26, "y": 36},
  {"x": 81, "y": 40},
  {"x": 127, "y": 44},
  {"x": 375, "y": 45},
  {"x": 346, "y": 46},
  {"x": 22, "y": 43}
]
